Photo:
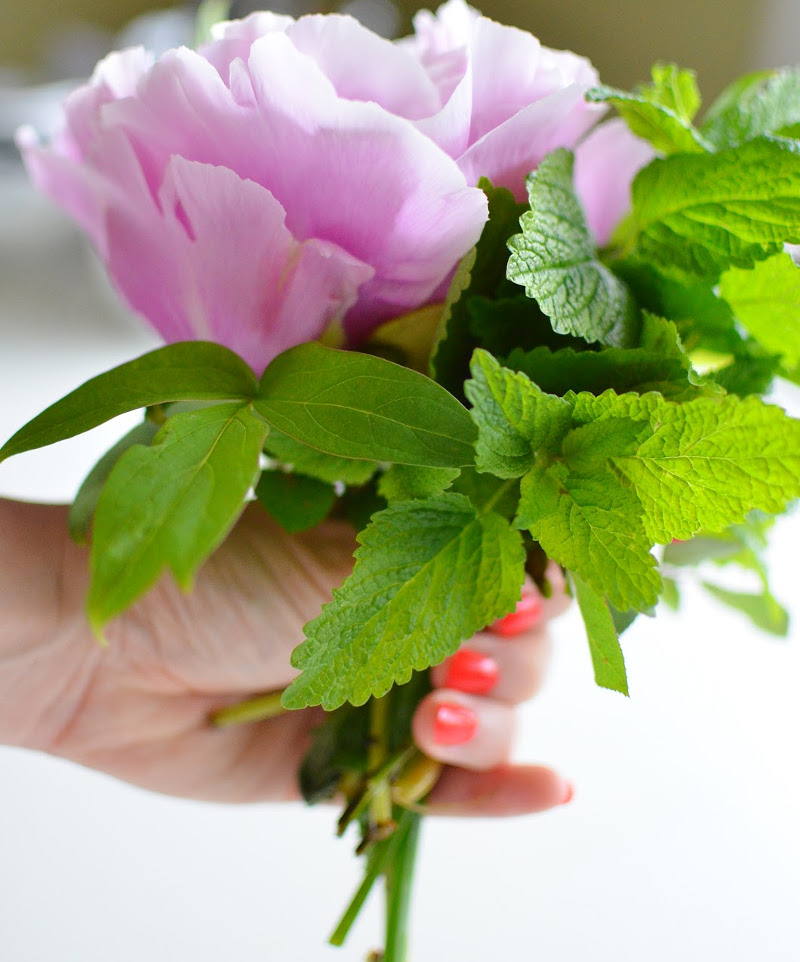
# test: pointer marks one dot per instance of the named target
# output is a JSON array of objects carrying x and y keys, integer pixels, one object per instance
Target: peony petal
[
  {"x": 219, "y": 264},
  {"x": 507, "y": 154},
  {"x": 232, "y": 39},
  {"x": 605, "y": 165},
  {"x": 363, "y": 66}
]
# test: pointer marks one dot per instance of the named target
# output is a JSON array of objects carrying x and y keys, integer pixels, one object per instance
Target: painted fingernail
[
  {"x": 527, "y": 615},
  {"x": 569, "y": 793},
  {"x": 472, "y": 672},
  {"x": 453, "y": 724}
]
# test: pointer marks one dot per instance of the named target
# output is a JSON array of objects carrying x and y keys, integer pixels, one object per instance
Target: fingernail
[
  {"x": 569, "y": 793},
  {"x": 454, "y": 724},
  {"x": 472, "y": 672},
  {"x": 527, "y": 615}
]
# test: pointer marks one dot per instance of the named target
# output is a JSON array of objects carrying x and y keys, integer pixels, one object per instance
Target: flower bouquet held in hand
[{"x": 452, "y": 288}]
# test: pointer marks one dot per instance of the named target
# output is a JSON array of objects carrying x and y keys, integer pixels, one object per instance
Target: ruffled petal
[
  {"x": 605, "y": 165},
  {"x": 507, "y": 154},
  {"x": 215, "y": 261},
  {"x": 232, "y": 39}
]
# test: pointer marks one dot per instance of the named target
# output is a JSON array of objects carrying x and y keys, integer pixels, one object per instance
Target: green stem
[
  {"x": 399, "y": 883},
  {"x": 376, "y": 866},
  {"x": 252, "y": 710},
  {"x": 385, "y": 773},
  {"x": 380, "y": 806}
]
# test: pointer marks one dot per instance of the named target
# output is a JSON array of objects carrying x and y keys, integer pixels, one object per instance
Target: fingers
[{"x": 503, "y": 791}]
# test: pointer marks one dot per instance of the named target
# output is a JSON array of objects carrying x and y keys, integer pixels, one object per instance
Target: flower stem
[
  {"x": 376, "y": 866},
  {"x": 252, "y": 710},
  {"x": 399, "y": 883}
]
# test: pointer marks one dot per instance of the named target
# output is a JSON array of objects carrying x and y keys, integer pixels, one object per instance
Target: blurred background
[{"x": 683, "y": 841}]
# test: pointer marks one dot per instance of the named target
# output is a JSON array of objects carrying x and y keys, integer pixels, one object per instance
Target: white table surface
[{"x": 683, "y": 842}]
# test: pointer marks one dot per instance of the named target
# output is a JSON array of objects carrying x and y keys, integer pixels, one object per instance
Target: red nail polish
[
  {"x": 454, "y": 724},
  {"x": 569, "y": 794},
  {"x": 472, "y": 672},
  {"x": 527, "y": 615}
]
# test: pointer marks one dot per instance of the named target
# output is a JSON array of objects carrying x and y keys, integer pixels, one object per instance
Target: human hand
[{"x": 139, "y": 709}]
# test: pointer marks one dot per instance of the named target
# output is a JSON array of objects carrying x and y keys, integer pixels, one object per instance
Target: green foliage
[
  {"x": 482, "y": 273},
  {"x": 607, "y": 658},
  {"x": 428, "y": 575},
  {"x": 763, "y": 609},
  {"x": 295, "y": 501},
  {"x": 316, "y": 464},
  {"x": 514, "y": 418},
  {"x": 696, "y": 215},
  {"x": 658, "y": 363},
  {"x": 555, "y": 260},
  {"x": 358, "y": 406},
  {"x": 766, "y": 301},
  {"x": 193, "y": 371},
  {"x": 403, "y": 482},
  {"x": 662, "y": 112},
  {"x": 170, "y": 505},
  {"x": 83, "y": 507},
  {"x": 762, "y": 103}
]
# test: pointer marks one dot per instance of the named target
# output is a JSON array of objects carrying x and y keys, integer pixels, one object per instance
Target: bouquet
[{"x": 456, "y": 290}]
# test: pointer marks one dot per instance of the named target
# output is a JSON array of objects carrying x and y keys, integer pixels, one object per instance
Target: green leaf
[
  {"x": 589, "y": 522},
  {"x": 514, "y": 418},
  {"x": 671, "y": 595},
  {"x": 296, "y": 502},
  {"x": 762, "y": 609},
  {"x": 172, "y": 504},
  {"x": 428, "y": 575},
  {"x": 709, "y": 461},
  {"x": 697, "y": 215},
  {"x": 675, "y": 89},
  {"x": 499, "y": 326},
  {"x": 766, "y": 301},
  {"x": 555, "y": 260},
  {"x": 654, "y": 122},
  {"x": 191, "y": 371},
  {"x": 316, "y": 464},
  {"x": 481, "y": 273},
  {"x": 404, "y": 482},
  {"x": 83, "y": 507},
  {"x": 357, "y": 406},
  {"x": 488, "y": 493},
  {"x": 749, "y": 373},
  {"x": 659, "y": 362},
  {"x": 339, "y": 744},
  {"x": 609, "y": 664},
  {"x": 762, "y": 103}
]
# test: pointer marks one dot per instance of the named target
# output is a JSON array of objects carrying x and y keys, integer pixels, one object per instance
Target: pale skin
[{"x": 139, "y": 709}]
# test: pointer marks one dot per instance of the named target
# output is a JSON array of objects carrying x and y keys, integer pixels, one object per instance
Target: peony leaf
[
  {"x": 767, "y": 102},
  {"x": 607, "y": 658},
  {"x": 316, "y": 464},
  {"x": 295, "y": 501},
  {"x": 428, "y": 575},
  {"x": 358, "y": 406},
  {"x": 189, "y": 371},
  {"x": 555, "y": 260},
  {"x": 170, "y": 505},
  {"x": 697, "y": 215}
]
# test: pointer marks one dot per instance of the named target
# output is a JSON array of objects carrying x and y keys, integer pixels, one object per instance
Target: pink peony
[{"x": 296, "y": 173}]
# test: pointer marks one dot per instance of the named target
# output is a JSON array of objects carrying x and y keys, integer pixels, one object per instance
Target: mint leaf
[
  {"x": 428, "y": 575},
  {"x": 589, "y": 522},
  {"x": 751, "y": 372},
  {"x": 654, "y": 122},
  {"x": 170, "y": 505},
  {"x": 607, "y": 658},
  {"x": 190, "y": 371},
  {"x": 762, "y": 103},
  {"x": 763, "y": 609},
  {"x": 404, "y": 482},
  {"x": 295, "y": 501},
  {"x": 514, "y": 418},
  {"x": 708, "y": 463},
  {"x": 357, "y": 406},
  {"x": 481, "y": 273},
  {"x": 658, "y": 363},
  {"x": 83, "y": 507},
  {"x": 697, "y": 215},
  {"x": 675, "y": 89},
  {"x": 499, "y": 326},
  {"x": 555, "y": 260},
  {"x": 488, "y": 493},
  {"x": 316, "y": 464},
  {"x": 766, "y": 301}
]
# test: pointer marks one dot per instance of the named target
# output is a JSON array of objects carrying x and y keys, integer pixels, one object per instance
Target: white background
[{"x": 682, "y": 843}]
